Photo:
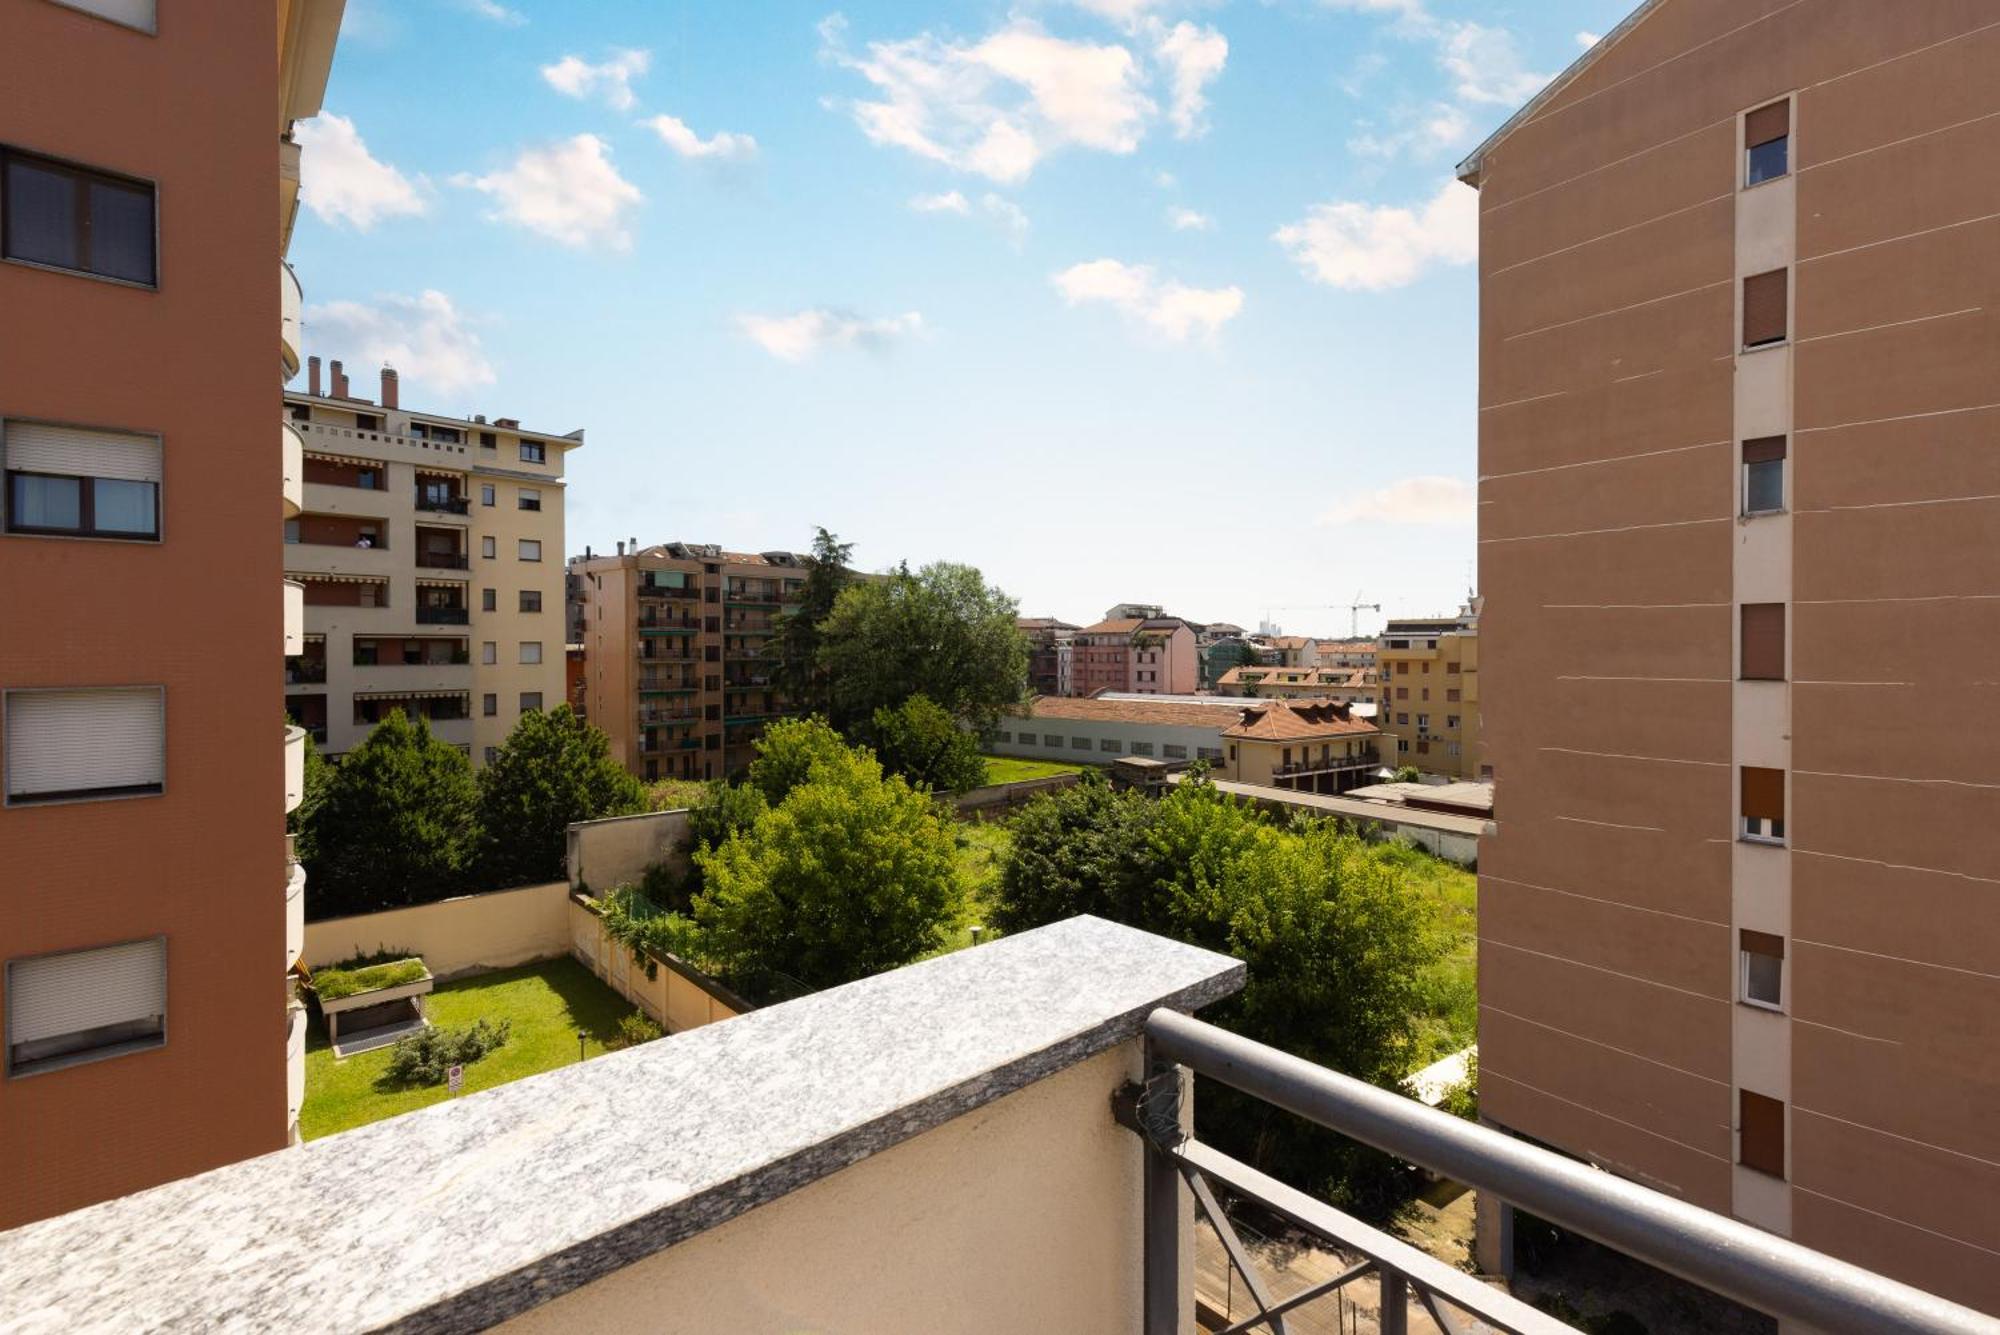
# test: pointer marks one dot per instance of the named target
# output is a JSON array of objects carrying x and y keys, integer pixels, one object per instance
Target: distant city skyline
[{"x": 1169, "y": 299}]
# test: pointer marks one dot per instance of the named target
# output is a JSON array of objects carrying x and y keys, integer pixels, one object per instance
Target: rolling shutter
[
  {"x": 1761, "y": 943},
  {"x": 1762, "y": 1133},
  {"x": 85, "y": 989},
  {"x": 59, "y": 742},
  {"x": 1767, "y": 123},
  {"x": 38, "y": 447},
  {"x": 1763, "y": 642},
  {"x": 1763, "y": 793},
  {"x": 1764, "y": 450},
  {"x": 1764, "y": 308}
]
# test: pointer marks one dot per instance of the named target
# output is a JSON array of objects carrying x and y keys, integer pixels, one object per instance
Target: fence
[
  {"x": 677, "y": 994},
  {"x": 996, "y": 800},
  {"x": 495, "y": 930}
]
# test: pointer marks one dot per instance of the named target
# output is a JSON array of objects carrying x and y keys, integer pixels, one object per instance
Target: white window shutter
[
  {"x": 39, "y": 447},
  {"x": 54, "y": 995},
  {"x": 76, "y": 741}
]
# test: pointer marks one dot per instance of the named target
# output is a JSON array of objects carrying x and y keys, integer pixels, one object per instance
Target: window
[
  {"x": 1173, "y": 751},
  {"x": 1760, "y": 1133},
  {"x": 531, "y": 651},
  {"x": 1767, "y": 139},
  {"x": 489, "y": 653},
  {"x": 66, "y": 746},
  {"x": 1764, "y": 314},
  {"x": 529, "y": 549},
  {"x": 300, "y": 412},
  {"x": 486, "y": 493},
  {"x": 71, "y": 218},
  {"x": 1208, "y": 753},
  {"x": 527, "y": 498},
  {"x": 1080, "y": 743},
  {"x": 1450, "y": 721},
  {"x": 531, "y": 600},
  {"x": 486, "y": 548},
  {"x": 85, "y": 1004},
  {"x": 534, "y": 452},
  {"x": 1051, "y": 739},
  {"x": 1142, "y": 748},
  {"x": 492, "y": 754},
  {"x": 488, "y": 441},
  {"x": 1402, "y": 720},
  {"x": 73, "y": 482},
  {"x": 1402, "y": 692},
  {"x": 1403, "y": 668},
  {"x": 1451, "y": 696},
  {"x": 1402, "y": 744},
  {"x": 1763, "y": 804},
  {"x": 1423, "y": 722},
  {"x": 530, "y": 701},
  {"x": 1763, "y": 975},
  {"x": 367, "y": 422},
  {"x": 489, "y": 600},
  {"x": 1764, "y": 475},
  {"x": 1109, "y": 744},
  {"x": 489, "y": 705},
  {"x": 1763, "y": 642}
]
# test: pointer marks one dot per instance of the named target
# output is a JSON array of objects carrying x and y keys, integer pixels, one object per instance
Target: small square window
[
  {"x": 534, "y": 452},
  {"x": 486, "y": 493},
  {"x": 1764, "y": 475},
  {"x": 489, "y": 600},
  {"x": 1767, "y": 139},
  {"x": 531, "y": 651},
  {"x": 529, "y": 549},
  {"x": 1761, "y": 1133},
  {"x": 492, "y": 754},
  {"x": 531, "y": 600},
  {"x": 1766, "y": 315},
  {"x": 486, "y": 548},
  {"x": 527, "y": 498},
  {"x": 489, "y": 705},
  {"x": 1762, "y": 981},
  {"x": 530, "y": 701},
  {"x": 72, "y": 218},
  {"x": 83, "y": 1005},
  {"x": 1763, "y": 804},
  {"x": 489, "y": 653}
]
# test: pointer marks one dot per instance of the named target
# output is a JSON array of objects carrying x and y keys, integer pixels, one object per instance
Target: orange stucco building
[
  {"x": 1739, "y": 929},
  {"x": 148, "y": 890}
]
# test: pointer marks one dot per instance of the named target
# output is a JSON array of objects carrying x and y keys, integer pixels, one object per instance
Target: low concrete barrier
[
  {"x": 678, "y": 995},
  {"x": 618, "y": 849},
  {"x": 997, "y": 799},
  {"x": 494, "y": 930}
]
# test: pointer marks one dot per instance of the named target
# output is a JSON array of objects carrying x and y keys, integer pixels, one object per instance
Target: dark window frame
[
  {"x": 534, "y": 452},
  {"x": 82, "y": 177},
  {"x": 526, "y": 594},
  {"x": 86, "y": 510}
]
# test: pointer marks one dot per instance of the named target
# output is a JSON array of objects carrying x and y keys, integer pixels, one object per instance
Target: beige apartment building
[
  {"x": 430, "y": 553},
  {"x": 676, "y": 661},
  {"x": 1316, "y": 746},
  {"x": 1428, "y": 695},
  {"x": 1739, "y": 348},
  {"x": 151, "y": 1030},
  {"x": 1345, "y": 685}
]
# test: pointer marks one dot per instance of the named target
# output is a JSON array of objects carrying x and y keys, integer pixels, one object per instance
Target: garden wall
[
  {"x": 487, "y": 931},
  {"x": 997, "y": 799},
  {"x": 617, "y": 850},
  {"x": 677, "y": 995}
]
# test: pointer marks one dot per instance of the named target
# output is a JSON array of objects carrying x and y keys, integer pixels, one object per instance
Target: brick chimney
[
  {"x": 312, "y": 376},
  {"x": 388, "y": 386},
  {"x": 339, "y": 387}
]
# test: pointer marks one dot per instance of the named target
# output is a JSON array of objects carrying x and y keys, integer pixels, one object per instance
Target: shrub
[
  {"x": 334, "y": 984},
  {"x": 634, "y": 1029},
  {"x": 425, "y": 1057}
]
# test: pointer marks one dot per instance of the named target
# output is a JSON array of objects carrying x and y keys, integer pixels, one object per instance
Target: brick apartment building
[
  {"x": 151, "y": 1030},
  {"x": 453, "y": 609},
  {"x": 1428, "y": 695},
  {"x": 1150, "y": 655},
  {"x": 1049, "y": 647},
  {"x": 675, "y": 663},
  {"x": 1739, "y": 935}
]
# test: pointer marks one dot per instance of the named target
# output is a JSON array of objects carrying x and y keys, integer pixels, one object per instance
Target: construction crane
[{"x": 1354, "y": 611}]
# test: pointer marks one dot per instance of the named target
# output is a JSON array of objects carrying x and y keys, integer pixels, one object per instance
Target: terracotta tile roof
[
  {"x": 1121, "y": 626},
  {"x": 1164, "y": 713},
  {"x": 1286, "y": 721},
  {"x": 1281, "y": 676}
]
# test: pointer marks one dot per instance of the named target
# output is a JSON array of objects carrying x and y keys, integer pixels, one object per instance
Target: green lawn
[
  {"x": 1013, "y": 769},
  {"x": 981, "y": 846},
  {"x": 1451, "y": 1015},
  {"x": 548, "y": 1003}
]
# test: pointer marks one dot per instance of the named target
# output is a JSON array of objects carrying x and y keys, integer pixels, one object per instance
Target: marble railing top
[{"x": 464, "y": 1213}]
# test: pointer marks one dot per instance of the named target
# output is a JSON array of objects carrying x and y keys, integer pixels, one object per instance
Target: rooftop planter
[{"x": 379, "y": 1002}]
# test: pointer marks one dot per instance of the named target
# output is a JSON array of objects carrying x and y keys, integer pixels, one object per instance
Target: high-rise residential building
[
  {"x": 1153, "y": 655},
  {"x": 1739, "y": 935},
  {"x": 677, "y": 662},
  {"x": 430, "y": 551},
  {"x": 1428, "y": 695},
  {"x": 150, "y": 1029},
  {"x": 1049, "y": 650}
]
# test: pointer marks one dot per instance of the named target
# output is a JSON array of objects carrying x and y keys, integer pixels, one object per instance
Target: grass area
[
  {"x": 1451, "y": 1016},
  {"x": 673, "y": 794},
  {"x": 981, "y": 847},
  {"x": 1013, "y": 769},
  {"x": 548, "y": 1002},
  {"x": 339, "y": 984}
]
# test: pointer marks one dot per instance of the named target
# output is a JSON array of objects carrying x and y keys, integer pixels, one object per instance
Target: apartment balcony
[
  {"x": 453, "y": 678},
  {"x": 295, "y": 904},
  {"x": 295, "y": 617},
  {"x": 991, "y": 1141},
  {"x": 669, "y": 625},
  {"x": 648, "y": 654},
  {"x": 443, "y": 561},
  {"x": 653, "y": 718},
  {"x": 295, "y": 768},
  {"x": 651, "y": 591},
  {"x": 443, "y": 616},
  {"x": 306, "y": 672},
  {"x": 292, "y": 454},
  {"x": 290, "y": 303},
  {"x": 443, "y": 505},
  {"x": 1328, "y": 764},
  {"x": 295, "y": 1065},
  {"x": 328, "y": 558}
]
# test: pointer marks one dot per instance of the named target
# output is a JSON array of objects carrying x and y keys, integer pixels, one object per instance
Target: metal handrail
[{"x": 1764, "y": 1271}]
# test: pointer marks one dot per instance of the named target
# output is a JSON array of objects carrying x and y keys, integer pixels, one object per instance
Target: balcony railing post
[
  {"x": 1395, "y": 1315},
  {"x": 1169, "y": 1216}
]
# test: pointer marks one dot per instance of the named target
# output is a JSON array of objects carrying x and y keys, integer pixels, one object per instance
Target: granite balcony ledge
[{"x": 460, "y": 1215}]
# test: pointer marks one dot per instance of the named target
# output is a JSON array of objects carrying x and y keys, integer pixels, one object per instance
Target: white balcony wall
[
  {"x": 290, "y": 302},
  {"x": 295, "y": 768},
  {"x": 292, "y": 451},
  {"x": 295, "y": 617},
  {"x": 295, "y": 913}
]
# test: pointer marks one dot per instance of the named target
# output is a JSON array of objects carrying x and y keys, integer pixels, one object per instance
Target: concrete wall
[
  {"x": 676, "y": 995},
  {"x": 607, "y": 853},
  {"x": 999, "y": 798},
  {"x": 1023, "y": 1215},
  {"x": 1007, "y": 742},
  {"x": 489, "y": 931}
]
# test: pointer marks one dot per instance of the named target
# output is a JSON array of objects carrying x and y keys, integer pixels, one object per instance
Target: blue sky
[{"x": 1151, "y": 300}]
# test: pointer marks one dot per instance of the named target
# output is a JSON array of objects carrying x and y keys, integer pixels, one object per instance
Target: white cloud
[
  {"x": 949, "y": 202},
  {"x": 1371, "y": 247},
  {"x": 1193, "y": 57},
  {"x": 567, "y": 191},
  {"x": 494, "y": 10},
  {"x": 800, "y": 336},
  {"x": 1586, "y": 40},
  {"x": 1171, "y": 309},
  {"x": 1425, "y": 132},
  {"x": 572, "y": 76},
  {"x": 723, "y": 145},
  {"x": 1487, "y": 65},
  {"x": 426, "y": 338},
  {"x": 1165, "y": 180},
  {"x": 1188, "y": 220},
  {"x": 995, "y": 107},
  {"x": 343, "y": 183},
  {"x": 1411, "y": 501}
]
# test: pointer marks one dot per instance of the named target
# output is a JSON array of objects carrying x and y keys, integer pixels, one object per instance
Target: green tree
[
  {"x": 1081, "y": 849},
  {"x": 787, "y": 752},
  {"x": 941, "y": 631},
  {"x": 553, "y": 770},
  {"x": 397, "y": 825},
  {"x": 852, "y": 873},
  {"x": 927, "y": 746},
  {"x": 797, "y": 674}
]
